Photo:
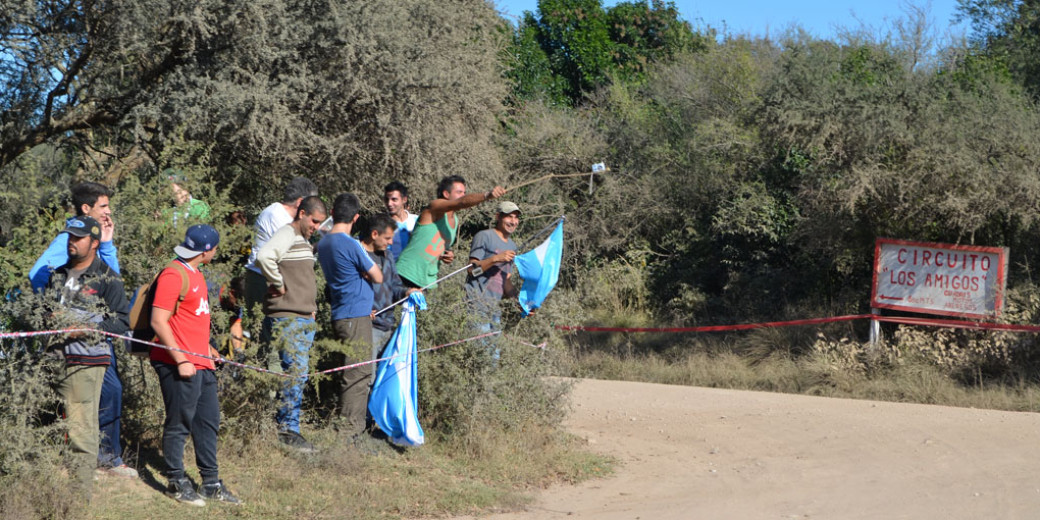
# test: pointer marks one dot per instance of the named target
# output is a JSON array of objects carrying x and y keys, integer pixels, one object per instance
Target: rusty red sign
[{"x": 946, "y": 279}]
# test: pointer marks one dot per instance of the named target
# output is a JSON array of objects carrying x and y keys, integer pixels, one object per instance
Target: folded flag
[
  {"x": 393, "y": 402},
  {"x": 540, "y": 269}
]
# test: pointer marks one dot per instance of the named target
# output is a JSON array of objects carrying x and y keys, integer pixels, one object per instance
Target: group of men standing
[
  {"x": 80, "y": 272},
  {"x": 397, "y": 253},
  {"x": 363, "y": 276}
]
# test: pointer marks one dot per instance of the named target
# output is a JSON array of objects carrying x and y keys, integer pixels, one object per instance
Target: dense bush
[{"x": 749, "y": 177}]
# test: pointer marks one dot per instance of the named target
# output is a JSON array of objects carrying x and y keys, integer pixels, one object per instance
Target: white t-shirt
[
  {"x": 402, "y": 234},
  {"x": 270, "y": 220},
  {"x": 409, "y": 223}
]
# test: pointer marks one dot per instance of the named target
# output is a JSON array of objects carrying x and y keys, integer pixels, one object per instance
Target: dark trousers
[
  {"x": 110, "y": 411},
  {"x": 355, "y": 383},
  {"x": 191, "y": 408}
]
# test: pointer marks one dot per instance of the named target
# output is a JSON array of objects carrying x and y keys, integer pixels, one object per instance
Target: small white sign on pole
[{"x": 945, "y": 279}]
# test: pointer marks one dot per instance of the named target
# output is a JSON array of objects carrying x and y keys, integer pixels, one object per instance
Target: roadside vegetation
[
  {"x": 749, "y": 179},
  {"x": 842, "y": 369}
]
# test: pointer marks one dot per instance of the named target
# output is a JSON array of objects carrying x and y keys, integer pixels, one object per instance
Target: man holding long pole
[{"x": 436, "y": 229}]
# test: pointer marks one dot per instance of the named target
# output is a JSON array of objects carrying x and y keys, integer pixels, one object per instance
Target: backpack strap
[{"x": 185, "y": 282}]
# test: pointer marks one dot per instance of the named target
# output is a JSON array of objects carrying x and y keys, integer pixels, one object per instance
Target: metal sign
[{"x": 946, "y": 279}]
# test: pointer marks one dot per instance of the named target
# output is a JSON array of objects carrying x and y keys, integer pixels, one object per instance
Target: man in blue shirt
[
  {"x": 89, "y": 199},
  {"x": 92, "y": 199},
  {"x": 349, "y": 275}
]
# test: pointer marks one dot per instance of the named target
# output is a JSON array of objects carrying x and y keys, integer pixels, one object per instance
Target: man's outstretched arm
[{"x": 438, "y": 207}]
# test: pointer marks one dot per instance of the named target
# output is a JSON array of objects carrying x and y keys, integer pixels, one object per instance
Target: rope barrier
[
  {"x": 438, "y": 347},
  {"x": 719, "y": 328},
  {"x": 226, "y": 361},
  {"x": 904, "y": 320}
]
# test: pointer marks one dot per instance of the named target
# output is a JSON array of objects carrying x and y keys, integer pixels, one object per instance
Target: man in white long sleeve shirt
[{"x": 270, "y": 220}]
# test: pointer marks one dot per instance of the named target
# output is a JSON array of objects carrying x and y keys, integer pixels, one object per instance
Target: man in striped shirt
[{"x": 287, "y": 263}]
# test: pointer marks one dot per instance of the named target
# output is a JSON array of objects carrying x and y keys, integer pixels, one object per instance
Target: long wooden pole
[{"x": 554, "y": 176}]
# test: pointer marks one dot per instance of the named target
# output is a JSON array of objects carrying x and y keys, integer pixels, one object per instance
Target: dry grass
[
  {"x": 910, "y": 380},
  {"x": 438, "y": 479}
]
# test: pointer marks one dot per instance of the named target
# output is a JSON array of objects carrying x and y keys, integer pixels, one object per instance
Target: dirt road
[{"x": 696, "y": 453}]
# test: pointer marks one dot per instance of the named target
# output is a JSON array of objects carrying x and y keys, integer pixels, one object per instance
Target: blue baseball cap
[
  {"x": 82, "y": 226},
  {"x": 199, "y": 239}
]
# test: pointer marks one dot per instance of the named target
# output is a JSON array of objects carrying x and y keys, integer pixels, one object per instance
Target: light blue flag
[
  {"x": 540, "y": 269},
  {"x": 393, "y": 404}
]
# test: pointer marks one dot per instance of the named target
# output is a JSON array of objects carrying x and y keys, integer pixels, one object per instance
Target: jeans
[
  {"x": 295, "y": 336},
  {"x": 488, "y": 318},
  {"x": 110, "y": 411},
  {"x": 379, "y": 339}
]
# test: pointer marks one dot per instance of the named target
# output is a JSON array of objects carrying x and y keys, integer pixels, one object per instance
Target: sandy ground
[{"x": 693, "y": 453}]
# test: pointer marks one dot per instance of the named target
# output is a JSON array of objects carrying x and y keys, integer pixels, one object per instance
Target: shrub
[
  {"x": 463, "y": 390},
  {"x": 32, "y": 484}
]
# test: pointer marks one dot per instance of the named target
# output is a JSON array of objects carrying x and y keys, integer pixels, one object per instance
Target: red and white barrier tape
[
  {"x": 975, "y": 325},
  {"x": 719, "y": 328},
  {"x": 216, "y": 359},
  {"x": 438, "y": 347}
]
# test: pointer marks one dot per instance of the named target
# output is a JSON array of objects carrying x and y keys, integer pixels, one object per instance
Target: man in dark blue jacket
[
  {"x": 90, "y": 296},
  {"x": 376, "y": 238}
]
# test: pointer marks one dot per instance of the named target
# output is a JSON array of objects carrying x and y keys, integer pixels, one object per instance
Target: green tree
[
  {"x": 341, "y": 91},
  {"x": 528, "y": 67},
  {"x": 575, "y": 37},
  {"x": 1009, "y": 32},
  {"x": 582, "y": 46},
  {"x": 649, "y": 32}
]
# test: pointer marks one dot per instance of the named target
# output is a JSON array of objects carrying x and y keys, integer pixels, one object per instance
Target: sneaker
[
  {"x": 121, "y": 471},
  {"x": 182, "y": 491},
  {"x": 296, "y": 441},
  {"x": 219, "y": 492}
]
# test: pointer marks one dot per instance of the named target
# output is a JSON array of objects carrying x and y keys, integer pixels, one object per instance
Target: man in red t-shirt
[{"x": 187, "y": 381}]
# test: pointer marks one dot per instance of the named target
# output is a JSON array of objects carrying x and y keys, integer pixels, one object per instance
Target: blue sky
[{"x": 761, "y": 17}]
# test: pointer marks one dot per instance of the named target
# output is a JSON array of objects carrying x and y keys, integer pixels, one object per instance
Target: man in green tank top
[{"x": 436, "y": 229}]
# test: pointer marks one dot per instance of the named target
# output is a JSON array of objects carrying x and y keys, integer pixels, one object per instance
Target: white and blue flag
[
  {"x": 393, "y": 403},
  {"x": 540, "y": 269}
]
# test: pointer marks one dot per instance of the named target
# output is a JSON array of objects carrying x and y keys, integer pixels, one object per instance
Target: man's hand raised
[
  {"x": 496, "y": 192},
  {"x": 108, "y": 229}
]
